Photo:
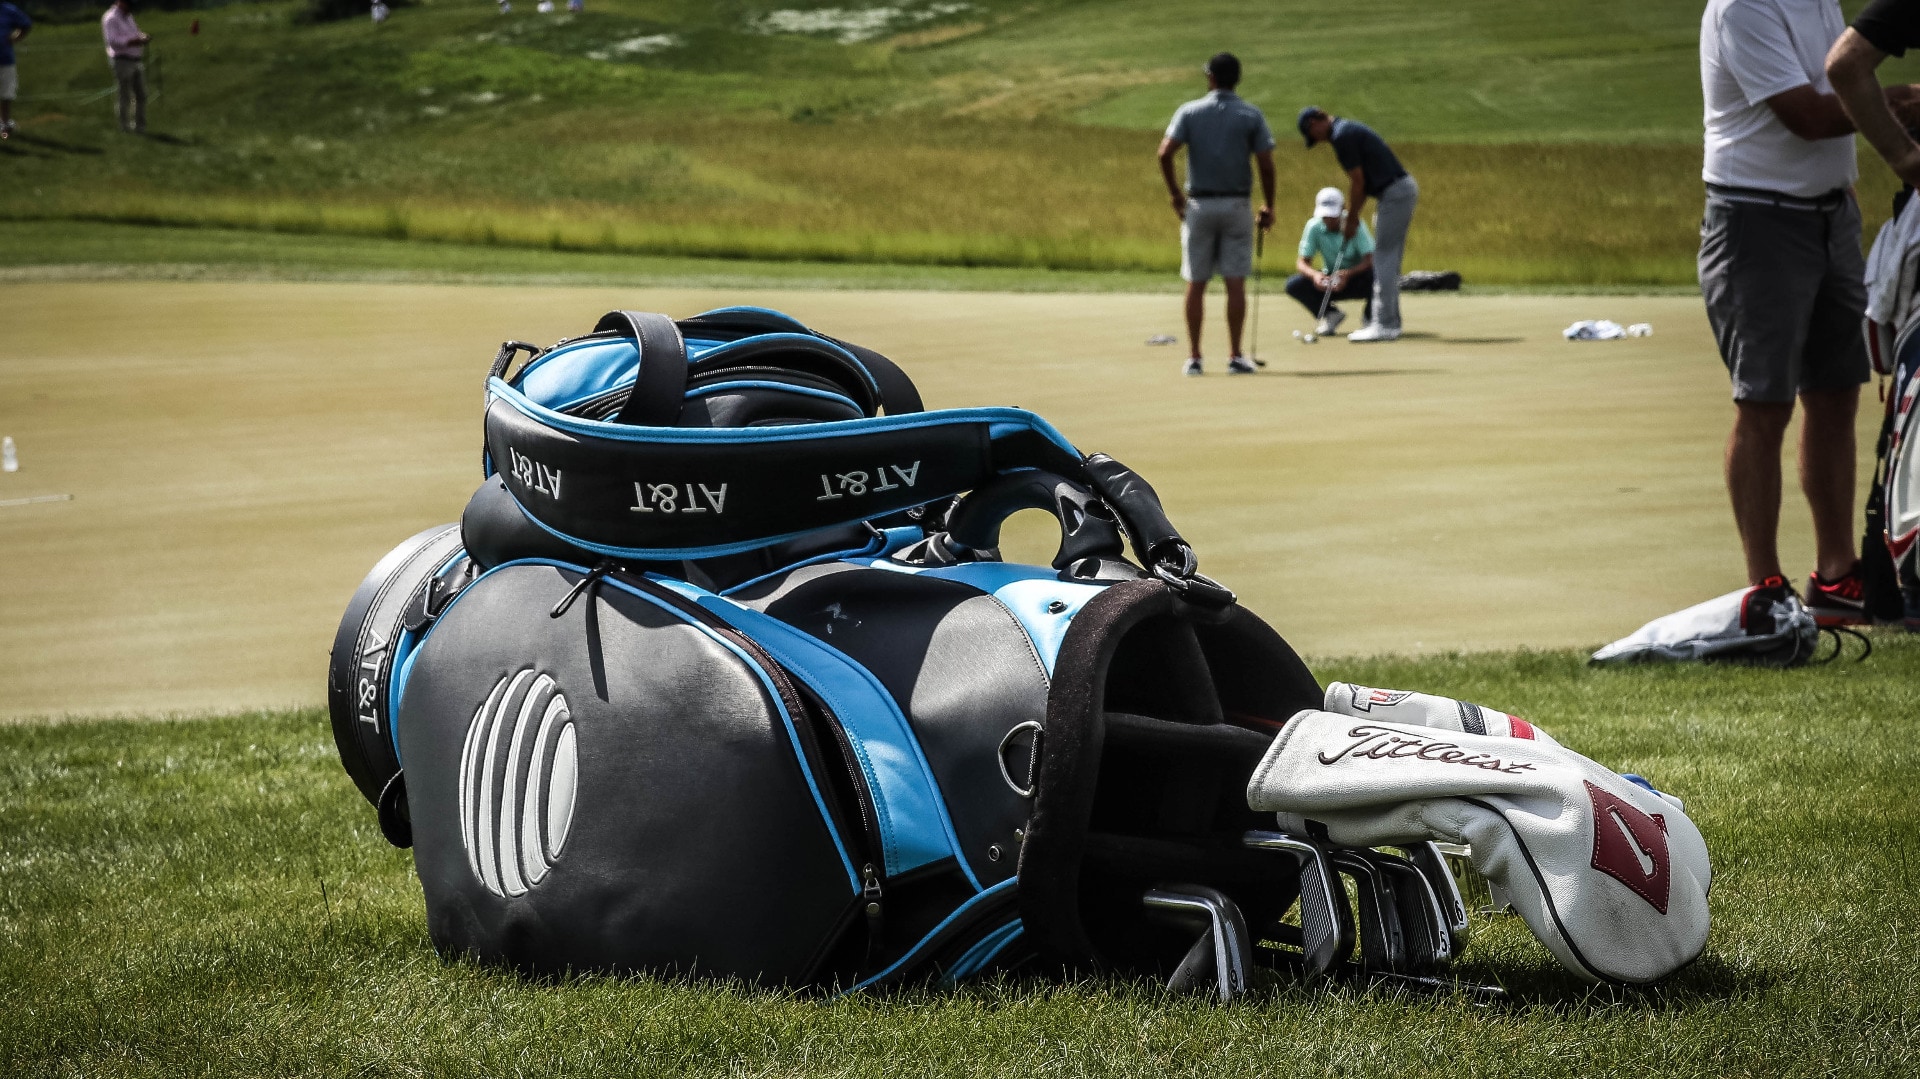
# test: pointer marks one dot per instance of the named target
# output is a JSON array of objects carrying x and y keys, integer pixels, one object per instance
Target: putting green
[{"x": 238, "y": 455}]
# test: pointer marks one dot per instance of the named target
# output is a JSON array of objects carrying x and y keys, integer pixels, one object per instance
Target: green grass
[
  {"x": 211, "y": 897},
  {"x": 86, "y": 250},
  {"x": 1552, "y": 148}
]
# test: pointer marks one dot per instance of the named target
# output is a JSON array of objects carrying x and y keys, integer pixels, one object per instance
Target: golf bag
[
  {"x": 1890, "y": 566},
  {"x": 1890, "y": 563},
  {"x": 720, "y": 674},
  {"x": 1754, "y": 626}
]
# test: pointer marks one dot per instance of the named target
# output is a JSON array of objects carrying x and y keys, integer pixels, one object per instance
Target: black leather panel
[
  {"x": 361, "y": 666},
  {"x": 959, "y": 666},
  {"x": 694, "y": 845}
]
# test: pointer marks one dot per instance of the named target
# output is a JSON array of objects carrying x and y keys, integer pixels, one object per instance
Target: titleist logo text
[{"x": 1386, "y": 743}]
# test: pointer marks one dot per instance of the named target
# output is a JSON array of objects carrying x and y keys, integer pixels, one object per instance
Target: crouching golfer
[
  {"x": 1220, "y": 132},
  {"x": 1375, "y": 174},
  {"x": 1348, "y": 263}
]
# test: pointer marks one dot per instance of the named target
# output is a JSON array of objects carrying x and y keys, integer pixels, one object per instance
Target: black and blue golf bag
[{"x": 720, "y": 674}]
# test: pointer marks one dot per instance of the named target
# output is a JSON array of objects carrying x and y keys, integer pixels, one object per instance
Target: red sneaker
[{"x": 1841, "y": 602}]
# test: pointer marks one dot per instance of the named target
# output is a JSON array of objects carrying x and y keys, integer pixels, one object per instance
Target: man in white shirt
[
  {"x": 126, "y": 51},
  {"x": 1782, "y": 276}
]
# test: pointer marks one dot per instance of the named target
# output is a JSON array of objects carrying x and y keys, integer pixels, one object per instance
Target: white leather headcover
[
  {"x": 1428, "y": 710},
  {"x": 1612, "y": 877}
]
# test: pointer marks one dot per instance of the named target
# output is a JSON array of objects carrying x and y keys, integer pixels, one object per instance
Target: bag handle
[
  {"x": 660, "y": 382},
  {"x": 1087, "y": 529}
]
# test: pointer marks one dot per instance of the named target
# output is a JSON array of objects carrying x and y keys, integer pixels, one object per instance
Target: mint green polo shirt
[{"x": 1327, "y": 243}]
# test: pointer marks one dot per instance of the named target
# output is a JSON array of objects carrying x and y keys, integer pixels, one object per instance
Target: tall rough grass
[{"x": 1047, "y": 196}]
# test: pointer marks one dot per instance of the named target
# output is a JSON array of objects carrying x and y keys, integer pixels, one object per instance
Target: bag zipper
[{"x": 801, "y": 706}]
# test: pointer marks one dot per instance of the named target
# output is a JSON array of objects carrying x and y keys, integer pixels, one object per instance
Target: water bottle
[{"x": 9, "y": 457}]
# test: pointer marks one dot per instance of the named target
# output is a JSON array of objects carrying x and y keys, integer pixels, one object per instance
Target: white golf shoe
[
  {"x": 1373, "y": 331},
  {"x": 1193, "y": 366},
  {"x": 1239, "y": 365},
  {"x": 1330, "y": 325}
]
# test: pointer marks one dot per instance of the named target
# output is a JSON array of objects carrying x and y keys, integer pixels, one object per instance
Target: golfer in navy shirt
[
  {"x": 1378, "y": 175},
  {"x": 1220, "y": 132},
  {"x": 14, "y": 25}
]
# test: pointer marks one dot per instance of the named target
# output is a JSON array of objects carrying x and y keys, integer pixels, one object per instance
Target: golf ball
[{"x": 1309, "y": 338}]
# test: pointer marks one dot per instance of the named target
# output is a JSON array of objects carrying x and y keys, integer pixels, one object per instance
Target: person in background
[
  {"x": 1374, "y": 173},
  {"x": 1783, "y": 280},
  {"x": 1220, "y": 132},
  {"x": 1347, "y": 262},
  {"x": 1886, "y": 28},
  {"x": 14, "y": 25},
  {"x": 126, "y": 51}
]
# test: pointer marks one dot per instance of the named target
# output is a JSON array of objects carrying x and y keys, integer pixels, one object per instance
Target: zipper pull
[
  {"x": 591, "y": 579},
  {"x": 870, "y": 893}
]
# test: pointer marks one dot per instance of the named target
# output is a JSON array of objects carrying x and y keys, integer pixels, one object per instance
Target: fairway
[{"x": 238, "y": 455}]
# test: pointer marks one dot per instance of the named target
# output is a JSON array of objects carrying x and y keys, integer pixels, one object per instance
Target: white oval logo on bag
[{"x": 519, "y": 770}]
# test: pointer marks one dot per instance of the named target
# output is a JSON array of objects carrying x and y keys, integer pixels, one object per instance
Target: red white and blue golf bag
[
  {"x": 720, "y": 674},
  {"x": 1890, "y": 550}
]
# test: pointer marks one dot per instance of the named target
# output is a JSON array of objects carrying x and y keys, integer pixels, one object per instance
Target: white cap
[{"x": 1329, "y": 203}]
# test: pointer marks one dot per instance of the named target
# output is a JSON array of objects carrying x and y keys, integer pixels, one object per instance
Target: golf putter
[
  {"x": 1223, "y": 951},
  {"x": 1326, "y": 297},
  {"x": 1326, "y": 922},
  {"x": 1259, "y": 258}
]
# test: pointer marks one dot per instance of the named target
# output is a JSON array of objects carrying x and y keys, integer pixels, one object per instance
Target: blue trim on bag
[
  {"x": 913, "y": 953},
  {"x": 1000, "y": 420},
  {"x": 914, "y": 826},
  {"x": 802, "y": 337},
  {"x": 762, "y": 384},
  {"x": 766, "y": 682},
  {"x": 983, "y": 952},
  {"x": 579, "y": 370},
  {"x": 798, "y": 326},
  {"x": 1025, "y": 591},
  {"x": 406, "y": 646}
]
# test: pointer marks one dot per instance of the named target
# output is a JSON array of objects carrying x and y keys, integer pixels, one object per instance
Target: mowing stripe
[{"x": 33, "y": 499}]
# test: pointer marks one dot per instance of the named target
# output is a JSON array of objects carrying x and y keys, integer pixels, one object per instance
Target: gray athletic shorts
[
  {"x": 1216, "y": 237},
  {"x": 9, "y": 82},
  {"x": 1785, "y": 292}
]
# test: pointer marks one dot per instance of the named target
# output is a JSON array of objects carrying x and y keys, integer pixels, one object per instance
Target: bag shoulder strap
[{"x": 660, "y": 383}]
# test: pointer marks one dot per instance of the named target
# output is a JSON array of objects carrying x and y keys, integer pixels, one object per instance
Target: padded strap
[
  {"x": 897, "y": 392},
  {"x": 898, "y": 395},
  {"x": 661, "y": 381},
  {"x": 669, "y": 493}
]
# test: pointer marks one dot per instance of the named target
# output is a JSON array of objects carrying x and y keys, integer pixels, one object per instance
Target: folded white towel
[{"x": 1594, "y": 329}]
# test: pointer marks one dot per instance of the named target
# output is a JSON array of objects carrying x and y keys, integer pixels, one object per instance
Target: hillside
[{"x": 1551, "y": 147}]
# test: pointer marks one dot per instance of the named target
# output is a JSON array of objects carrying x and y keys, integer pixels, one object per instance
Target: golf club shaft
[
  {"x": 1326, "y": 298},
  {"x": 1259, "y": 256}
]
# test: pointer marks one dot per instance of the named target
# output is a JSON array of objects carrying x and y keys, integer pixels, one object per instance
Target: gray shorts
[
  {"x": 1216, "y": 237},
  {"x": 9, "y": 82},
  {"x": 1785, "y": 292}
]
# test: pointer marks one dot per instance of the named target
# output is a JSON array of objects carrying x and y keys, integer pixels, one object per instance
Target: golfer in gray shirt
[{"x": 1220, "y": 132}]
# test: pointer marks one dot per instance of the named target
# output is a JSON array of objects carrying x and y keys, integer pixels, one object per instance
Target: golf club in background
[
  {"x": 1259, "y": 256},
  {"x": 1326, "y": 299}
]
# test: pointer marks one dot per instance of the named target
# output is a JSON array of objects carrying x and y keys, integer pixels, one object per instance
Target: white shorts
[
  {"x": 9, "y": 82},
  {"x": 1216, "y": 237}
]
